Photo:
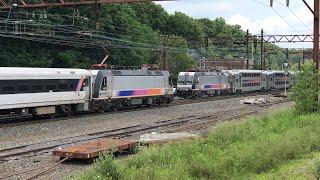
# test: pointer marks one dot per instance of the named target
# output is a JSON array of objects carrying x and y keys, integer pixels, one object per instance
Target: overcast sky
[{"x": 252, "y": 15}]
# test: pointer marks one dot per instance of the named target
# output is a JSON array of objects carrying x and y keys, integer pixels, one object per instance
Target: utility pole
[
  {"x": 264, "y": 58},
  {"x": 316, "y": 34},
  {"x": 261, "y": 50},
  {"x": 299, "y": 65},
  {"x": 248, "y": 49},
  {"x": 165, "y": 63},
  {"x": 315, "y": 12},
  {"x": 97, "y": 12},
  {"x": 303, "y": 56}
]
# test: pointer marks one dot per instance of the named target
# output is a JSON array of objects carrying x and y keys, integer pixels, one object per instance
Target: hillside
[{"x": 135, "y": 31}]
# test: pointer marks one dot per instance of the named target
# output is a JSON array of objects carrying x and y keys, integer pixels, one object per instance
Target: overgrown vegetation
[
  {"x": 137, "y": 23},
  {"x": 305, "y": 91},
  {"x": 237, "y": 150}
]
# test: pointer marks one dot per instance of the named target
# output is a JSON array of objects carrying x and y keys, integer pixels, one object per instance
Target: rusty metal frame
[
  {"x": 287, "y": 38},
  {"x": 63, "y": 3}
]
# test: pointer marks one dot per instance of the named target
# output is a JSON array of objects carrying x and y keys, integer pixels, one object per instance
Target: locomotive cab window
[{"x": 104, "y": 84}]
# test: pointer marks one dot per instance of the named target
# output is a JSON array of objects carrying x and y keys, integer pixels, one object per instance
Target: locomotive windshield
[{"x": 185, "y": 79}]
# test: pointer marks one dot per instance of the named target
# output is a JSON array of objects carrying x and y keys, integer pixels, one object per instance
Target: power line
[
  {"x": 293, "y": 14},
  {"x": 283, "y": 19}
]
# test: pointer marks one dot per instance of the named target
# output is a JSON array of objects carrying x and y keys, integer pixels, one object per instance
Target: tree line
[{"x": 134, "y": 31}]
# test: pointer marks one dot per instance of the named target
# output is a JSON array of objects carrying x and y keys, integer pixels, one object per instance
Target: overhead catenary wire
[
  {"x": 290, "y": 9},
  {"x": 120, "y": 41},
  {"x": 283, "y": 19}
]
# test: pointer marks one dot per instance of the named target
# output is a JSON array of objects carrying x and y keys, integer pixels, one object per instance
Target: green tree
[{"x": 305, "y": 91}]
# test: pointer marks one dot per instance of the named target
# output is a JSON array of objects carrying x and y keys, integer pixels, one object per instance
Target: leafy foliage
[
  {"x": 305, "y": 91},
  {"x": 129, "y": 26}
]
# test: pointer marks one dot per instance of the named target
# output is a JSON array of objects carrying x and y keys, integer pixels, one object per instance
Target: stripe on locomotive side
[
  {"x": 214, "y": 86},
  {"x": 80, "y": 83},
  {"x": 140, "y": 92}
]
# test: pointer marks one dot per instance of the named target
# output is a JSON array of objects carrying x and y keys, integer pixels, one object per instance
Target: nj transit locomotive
[
  {"x": 194, "y": 84},
  {"x": 48, "y": 91},
  {"x": 191, "y": 84}
]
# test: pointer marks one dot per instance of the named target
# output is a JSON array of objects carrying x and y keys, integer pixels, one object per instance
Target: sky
[{"x": 252, "y": 14}]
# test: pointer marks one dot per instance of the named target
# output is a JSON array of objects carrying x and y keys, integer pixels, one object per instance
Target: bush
[
  {"x": 305, "y": 91},
  {"x": 237, "y": 150}
]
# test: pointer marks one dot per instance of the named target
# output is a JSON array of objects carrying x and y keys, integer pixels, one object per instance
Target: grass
[
  {"x": 304, "y": 168},
  {"x": 256, "y": 148}
]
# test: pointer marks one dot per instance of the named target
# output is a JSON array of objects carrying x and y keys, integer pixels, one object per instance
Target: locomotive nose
[{"x": 184, "y": 87}]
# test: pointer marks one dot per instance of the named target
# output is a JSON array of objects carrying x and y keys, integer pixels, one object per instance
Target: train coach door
[
  {"x": 87, "y": 88},
  {"x": 239, "y": 82}
]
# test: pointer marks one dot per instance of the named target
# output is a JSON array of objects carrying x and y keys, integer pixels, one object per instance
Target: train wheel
[
  {"x": 51, "y": 116},
  {"x": 115, "y": 107},
  {"x": 161, "y": 102},
  {"x": 101, "y": 110}
]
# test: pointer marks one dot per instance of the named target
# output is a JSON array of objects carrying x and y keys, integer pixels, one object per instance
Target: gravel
[{"x": 11, "y": 136}]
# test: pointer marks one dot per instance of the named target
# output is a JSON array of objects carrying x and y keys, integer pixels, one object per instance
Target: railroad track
[
  {"x": 42, "y": 147},
  {"x": 208, "y": 122},
  {"x": 172, "y": 125},
  {"x": 187, "y": 123},
  {"x": 176, "y": 102},
  {"x": 205, "y": 122}
]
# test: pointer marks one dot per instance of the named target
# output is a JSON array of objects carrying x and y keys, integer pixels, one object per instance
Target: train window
[
  {"x": 104, "y": 84},
  {"x": 86, "y": 82},
  {"x": 50, "y": 87},
  {"x": 71, "y": 86},
  {"x": 37, "y": 87},
  {"x": 23, "y": 88},
  {"x": 62, "y": 86},
  {"x": 8, "y": 88}
]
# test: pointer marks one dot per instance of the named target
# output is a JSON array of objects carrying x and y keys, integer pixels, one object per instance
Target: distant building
[{"x": 223, "y": 64}]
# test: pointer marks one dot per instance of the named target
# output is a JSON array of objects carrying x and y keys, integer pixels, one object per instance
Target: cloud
[
  {"x": 199, "y": 9},
  {"x": 249, "y": 14},
  {"x": 244, "y": 22}
]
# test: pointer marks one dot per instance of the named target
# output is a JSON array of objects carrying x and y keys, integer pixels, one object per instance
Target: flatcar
[
  {"x": 197, "y": 84},
  {"x": 43, "y": 91},
  {"x": 114, "y": 89}
]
